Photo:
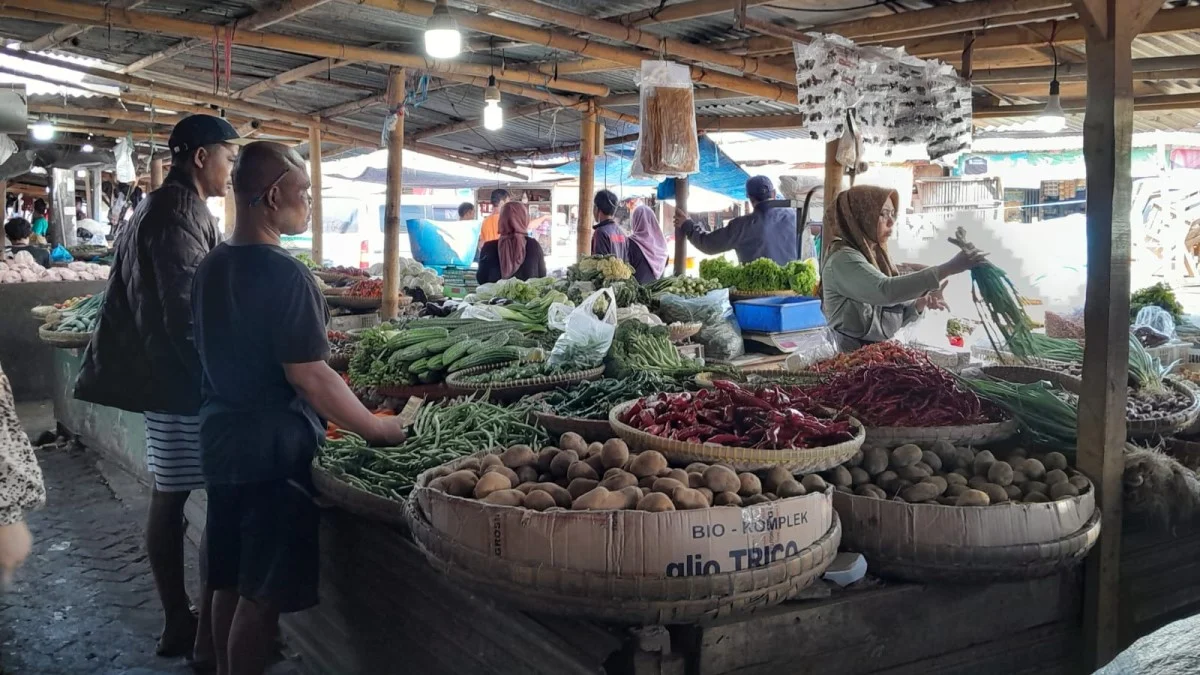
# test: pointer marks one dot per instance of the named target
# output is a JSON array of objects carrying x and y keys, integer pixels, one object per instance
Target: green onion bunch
[{"x": 1048, "y": 415}]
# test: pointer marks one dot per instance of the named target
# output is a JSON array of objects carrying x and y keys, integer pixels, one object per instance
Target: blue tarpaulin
[{"x": 717, "y": 174}]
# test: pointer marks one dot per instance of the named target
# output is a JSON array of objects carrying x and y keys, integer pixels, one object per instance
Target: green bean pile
[
  {"x": 593, "y": 400},
  {"x": 442, "y": 432}
]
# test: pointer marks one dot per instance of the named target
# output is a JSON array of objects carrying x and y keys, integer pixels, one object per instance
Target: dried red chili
[{"x": 902, "y": 395}]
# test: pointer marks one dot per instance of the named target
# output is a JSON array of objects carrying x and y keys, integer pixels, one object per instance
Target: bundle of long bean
[
  {"x": 443, "y": 431},
  {"x": 1048, "y": 415},
  {"x": 997, "y": 298},
  {"x": 594, "y": 399}
]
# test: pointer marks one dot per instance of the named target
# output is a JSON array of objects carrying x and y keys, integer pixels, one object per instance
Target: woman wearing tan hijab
[{"x": 864, "y": 296}]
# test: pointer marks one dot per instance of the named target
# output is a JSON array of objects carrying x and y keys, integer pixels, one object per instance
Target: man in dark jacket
[
  {"x": 769, "y": 232},
  {"x": 608, "y": 238},
  {"x": 143, "y": 359}
]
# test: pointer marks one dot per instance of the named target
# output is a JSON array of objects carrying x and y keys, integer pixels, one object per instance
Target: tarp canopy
[
  {"x": 718, "y": 173},
  {"x": 423, "y": 179}
]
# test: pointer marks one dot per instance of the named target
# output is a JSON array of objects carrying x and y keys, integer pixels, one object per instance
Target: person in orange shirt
[{"x": 491, "y": 224}]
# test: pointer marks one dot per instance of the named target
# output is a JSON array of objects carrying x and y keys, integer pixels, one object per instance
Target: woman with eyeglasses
[{"x": 864, "y": 296}]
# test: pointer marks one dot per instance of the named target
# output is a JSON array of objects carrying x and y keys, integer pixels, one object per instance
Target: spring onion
[
  {"x": 996, "y": 297},
  {"x": 1050, "y": 416}
]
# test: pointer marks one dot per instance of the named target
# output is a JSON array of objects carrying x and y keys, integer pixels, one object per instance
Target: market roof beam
[
  {"x": 1160, "y": 67},
  {"x": 352, "y": 107},
  {"x": 64, "y": 11},
  {"x": 539, "y": 95},
  {"x": 63, "y": 33},
  {"x": 511, "y": 114},
  {"x": 1140, "y": 103},
  {"x": 680, "y": 12}
]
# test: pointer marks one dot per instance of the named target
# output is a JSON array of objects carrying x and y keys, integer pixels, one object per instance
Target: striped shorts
[{"x": 173, "y": 452}]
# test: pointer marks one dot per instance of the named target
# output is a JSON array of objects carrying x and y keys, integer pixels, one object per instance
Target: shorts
[
  {"x": 173, "y": 452},
  {"x": 262, "y": 541}
]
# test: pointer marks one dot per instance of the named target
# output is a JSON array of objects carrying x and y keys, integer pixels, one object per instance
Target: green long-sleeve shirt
[{"x": 864, "y": 305}]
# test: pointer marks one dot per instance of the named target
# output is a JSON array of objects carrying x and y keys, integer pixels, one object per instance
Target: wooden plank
[
  {"x": 1045, "y": 650},
  {"x": 890, "y": 626},
  {"x": 314, "y": 170},
  {"x": 391, "y": 216},
  {"x": 682, "y": 187},
  {"x": 587, "y": 178}
]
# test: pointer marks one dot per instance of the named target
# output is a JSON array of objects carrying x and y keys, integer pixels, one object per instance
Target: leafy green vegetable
[
  {"x": 801, "y": 276},
  {"x": 726, "y": 273},
  {"x": 640, "y": 348},
  {"x": 764, "y": 274}
]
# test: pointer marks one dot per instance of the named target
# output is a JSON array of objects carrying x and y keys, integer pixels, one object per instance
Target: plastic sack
[
  {"x": 1153, "y": 316},
  {"x": 720, "y": 335},
  {"x": 636, "y": 312},
  {"x": 126, "y": 172},
  {"x": 586, "y": 337},
  {"x": 668, "y": 146},
  {"x": 60, "y": 254},
  {"x": 816, "y": 346},
  {"x": 482, "y": 312}
]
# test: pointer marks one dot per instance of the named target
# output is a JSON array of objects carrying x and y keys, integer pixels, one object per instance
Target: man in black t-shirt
[
  {"x": 260, "y": 331},
  {"x": 18, "y": 231}
]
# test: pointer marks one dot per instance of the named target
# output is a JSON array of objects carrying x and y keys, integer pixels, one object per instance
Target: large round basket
[
  {"x": 972, "y": 434},
  {"x": 64, "y": 340},
  {"x": 1168, "y": 424},
  {"x": 680, "y": 331},
  {"x": 349, "y": 302},
  {"x": 359, "y": 502},
  {"x": 590, "y": 430},
  {"x": 735, "y": 295},
  {"x": 333, "y": 277},
  {"x": 621, "y": 565},
  {"x": 429, "y": 392},
  {"x": 953, "y": 544},
  {"x": 333, "y": 292},
  {"x": 509, "y": 391},
  {"x": 796, "y": 460}
]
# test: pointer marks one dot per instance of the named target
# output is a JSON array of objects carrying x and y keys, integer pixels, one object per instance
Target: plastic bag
[
  {"x": 586, "y": 338},
  {"x": 482, "y": 312},
  {"x": 815, "y": 346},
  {"x": 1157, "y": 318},
  {"x": 126, "y": 172},
  {"x": 720, "y": 335},
  {"x": 636, "y": 312},
  {"x": 668, "y": 146},
  {"x": 60, "y": 254}
]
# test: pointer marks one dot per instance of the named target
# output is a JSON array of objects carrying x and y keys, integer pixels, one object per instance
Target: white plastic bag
[
  {"x": 126, "y": 172},
  {"x": 586, "y": 338},
  {"x": 720, "y": 334},
  {"x": 816, "y": 346},
  {"x": 668, "y": 146},
  {"x": 483, "y": 312}
]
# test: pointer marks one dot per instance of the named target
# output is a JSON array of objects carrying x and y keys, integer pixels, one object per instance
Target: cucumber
[
  {"x": 438, "y": 346},
  {"x": 415, "y": 336},
  {"x": 419, "y": 366},
  {"x": 459, "y": 350},
  {"x": 434, "y": 363}
]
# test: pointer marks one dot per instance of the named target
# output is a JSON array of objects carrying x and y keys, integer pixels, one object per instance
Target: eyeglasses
[
  {"x": 262, "y": 197},
  {"x": 887, "y": 213}
]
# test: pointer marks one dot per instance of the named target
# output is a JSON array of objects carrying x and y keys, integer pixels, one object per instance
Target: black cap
[
  {"x": 195, "y": 131},
  {"x": 760, "y": 189}
]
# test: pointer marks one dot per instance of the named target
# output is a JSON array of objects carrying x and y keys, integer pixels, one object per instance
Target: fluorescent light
[
  {"x": 81, "y": 173},
  {"x": 38, "y": 170},
  {"x": 87, "y": 147},
  {"x": 493, "y": 114},
  {"x": 43, "y": 130},
  {"x": 442, "y": 38},
  {"x": 1053, "y": 119}
]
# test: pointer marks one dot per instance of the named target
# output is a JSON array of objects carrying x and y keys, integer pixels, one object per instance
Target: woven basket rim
[
  {"x": 63, "y": 338},
  {"x": 425, "y": 391},
  {"x": 742, "y": 459},
  {"x": 454, "y": 379},
  {"x": 356, "y": 501},
  {"x": 1171, "y": 423},
  {"x": 743, "y": 295}
]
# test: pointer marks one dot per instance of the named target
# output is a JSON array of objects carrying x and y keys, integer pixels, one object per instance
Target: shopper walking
[
  {"x": 142, "y": 357},
  {"x": 260, "y": 331},
  {"x": 21, "y": 487}
]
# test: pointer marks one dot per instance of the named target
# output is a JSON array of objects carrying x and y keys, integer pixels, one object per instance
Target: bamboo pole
[
  {"x": 833, "y": 179},
  {"x": 156, "y": 174},
  {"x": 78, "y": 12},
  {"x": 681, "y": 11},
  {"x": 681, "y": 242},
  {"x": 515, "y": 113},
  {"x": 391, "y": 214},
  {"x": 587, "y": 178},
  {"x": 1159, "y": 67},
  {"x": 314, "y": 169}
]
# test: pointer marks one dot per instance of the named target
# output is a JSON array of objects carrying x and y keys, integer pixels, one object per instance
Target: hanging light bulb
[
  {"x": 493, "y": 114},
  {"x": 87, "y": 147},
  {"x": 81, "y": 173},
  {"x": 442, "y": 39},
  {"x": 1053, "y": 119},
  {"x": 43, "y": 130}
]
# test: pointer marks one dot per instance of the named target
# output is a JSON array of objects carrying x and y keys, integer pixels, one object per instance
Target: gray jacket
[
  {"x": 863, "y": 305},
  {"x": 769, "y": 232}
]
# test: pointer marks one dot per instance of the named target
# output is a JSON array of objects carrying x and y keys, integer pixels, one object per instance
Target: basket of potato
[
  {"x": 592, "y": 529},
  {"x": 946, "y": 513}
]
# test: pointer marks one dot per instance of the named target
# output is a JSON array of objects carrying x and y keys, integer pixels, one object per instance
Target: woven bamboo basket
[
  {"x": 1170, "y": 424},
  {"x": 683, "y": 331},
  {"x": 64, "y": 340},
  {"x": 796, "y": 460},
  {"x": 557, "y": 425},
  {"x": 331, "y": 292},
  {"x": 973, "y": 434},
  {"x": 1031, "y": 374},
  {"x": 891, "y": 534},
  {"x": 1186, "y": 451},
  {"x": 347, "y": 302},
  {"x": 359, "y": 502},
  {"x": 334, "y": 277},
  {"x": 40, "y": 312},
  {"x": 508, "y": 391}
]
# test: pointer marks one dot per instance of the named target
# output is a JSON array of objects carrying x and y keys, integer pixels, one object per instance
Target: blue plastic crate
[{"x": 779, "y": 314}]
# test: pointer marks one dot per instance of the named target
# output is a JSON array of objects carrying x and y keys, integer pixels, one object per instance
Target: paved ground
[{"x": 85, "y": 602}]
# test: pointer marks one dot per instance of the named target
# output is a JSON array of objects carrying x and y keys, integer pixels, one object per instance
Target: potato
[
  {"x": 462, "y": 483},
  {"x": 1036, "y": 498},
  {"x": 924, "y": 467},
  {"x": 440, "y": 471},
  {"x": 1032, "y": 468},
  {"x": 754, "y": 500},
  {"x": 1080, "y": 482},
  {"x": 695, "y": 480},
  {"x": 956, "y": 490},
  {"x": 648, "y": 463},
  {"x": 517, "y": 456},
  {"x": 954, "y": 479},
  {"x": 1063, "y": 491},
  {"x": 859, "y": 476},
  {"x": 790, "y": 488},
  {"x": 871, "y": 491},
  {"x": 751, "y": 485},
  {"x": 995, "y": 493},
  {"x": 526, "y": 474},
  {"x": 655, "y": 502},
  {"x": 875, "y": 460},
  {"x": 776, "y": 475},
  {"x": 945, "y": 500},
  {"x": 546, "y": 456},
  {"x": 946, "y": 453},
  {"x": 1018, "y": 452},
  {"x": 771, "y": 496},
  {"x": 919, "y": 493},
  {"x": 1055, "y": 460},
  {"x": 491, "y": 482},
  {"x": 615, "y": 479},
  {"x": 490, "y": 460},
  {"x": 631, "y": 494},
  {"x": 976, "y": 482},
  {"x": 687, "y": 498},
  {"x": 505, "y": 497},
  {"x": 562, "y": 497},
  {"x": 581, "y": 469},
  {"x": 973, "y": 498},
  {"x": 595, "y": 462},
  {"x": 1014, "y": 492},
  {"x": 696, "y": 467},
  {"x": 573, "y": 441},
  {"x": 1000, "y": 473},
  {"x": 932, "y": 460},
  {"x": 721, "y": 479},
  {"x": 885, "y": 478},
  {"x": 897, "y": 486},
  {"x": 563, "y": 461},
  {"x": 469, "y": 464},
  {"x": 545, "y": 477},
  {"x": 913, "y": 473},
  {"x": 598, "y": 499},
  {"x": 614, "y": 453},
  {"x": 855, "y": 460},
  {"x": 1055, "y": 476},
  {"x": 939, "y": 481},
  {"x": 438, "y": 484},
  {"x": 727, "y": 499},
  {"x": 501, "y": 469},
  {"x": 1019, "y": 477},
  {"x": 964, "y": 459},
  {"x": 905, "y": 455},
  {"x": 984, "y": 460},
  {"x": 581, "y": 486},
  {"x": 965, "y": 473},
  {"x": 707, "y": 494},
  {"x": 679, "y": 475},
  {"x": 1035, "y": 486},
  {"x": 666, "y": 485},
  {"x": 840, "y": 475},
  {"x": 539, "y": 500},
  {"x": 594, "y": 448}
]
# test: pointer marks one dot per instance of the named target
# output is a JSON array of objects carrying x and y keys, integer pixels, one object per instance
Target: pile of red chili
[
  {"x": 772, "y": 417},
  {"x": 367, "y": 288},
  {"x": 880, "y": 352},
  {"x": 901, "y": 395}
]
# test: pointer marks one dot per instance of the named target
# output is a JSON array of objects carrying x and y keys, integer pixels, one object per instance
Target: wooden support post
[
  {"x": 833, "y": 178},
  {"x": 587, "y": 178},
  {"x": 156, "y": 174},
  {"x": 314, "y": 166},
  {"x": 4, "y": 194},
  {"x": 391, "y": 213},
  {"x": 87, "y": 196},
  {"x": 681, "y": 243},
  {"x": 1107, "y": 135}
]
